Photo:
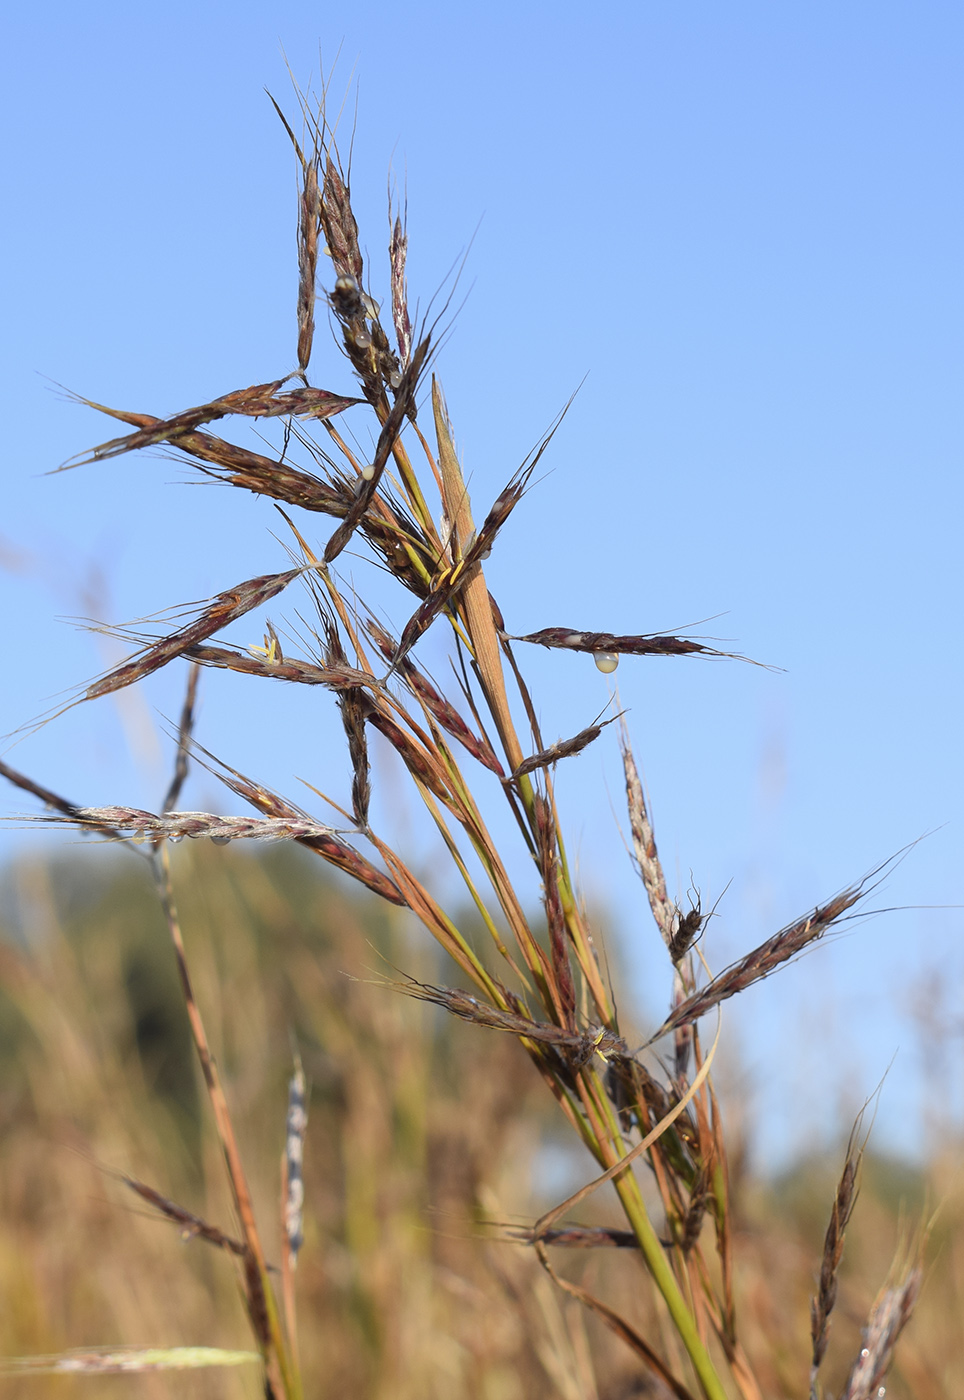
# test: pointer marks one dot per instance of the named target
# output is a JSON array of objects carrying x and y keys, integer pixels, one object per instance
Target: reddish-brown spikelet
[
  {"x": 583, "y": 1044},
  {"x": 185, "y": 729},
  {"x": 49, "y": 798},
  {"x": 565, "y": 748},
  {"x": 52, "y": 800},
  {"x": 192, "y": 1226},
  {"x": 762, "y": 961},
  {"x": 577, "y": 1237},
  {"x": 257, "y": 401},
  {"x": 331, "y": 848},
  {"x": 651, "y": 644},
  {"x": 822, "y": 1305},
  {"x": 386, "y": 442},
  {"x": 398, "y": 251},
  {"x": 353, "y": 705},
  {"x": 437, "y": 705},
  {"x": 452, "y": 578},
  {"x": 265, "y": 476},
  {"x": 308, "y": 221},
  {"x": 338, "y": 222},
  {"x": 365, "y": 342},
  {"x": 225, "y": 608},
  {"x": 560, "y": 986},
  {"x": 288, "y": 669},
  {"x": 383, "y": 525},
  {"x": 416, "y": 758},
  {"x": 389, "y": 371},
  {"x": 499, "y": 512},
  {"x": 451, "y": 721}
]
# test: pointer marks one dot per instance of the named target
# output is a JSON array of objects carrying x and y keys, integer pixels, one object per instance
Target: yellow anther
[{"x": 269, "y": 651}]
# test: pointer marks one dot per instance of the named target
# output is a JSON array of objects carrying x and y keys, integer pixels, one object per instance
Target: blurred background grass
[{"x": 420, "y": 1129}]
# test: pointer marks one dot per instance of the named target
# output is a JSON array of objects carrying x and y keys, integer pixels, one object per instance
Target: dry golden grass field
[{"x": 422, "y": 1131}]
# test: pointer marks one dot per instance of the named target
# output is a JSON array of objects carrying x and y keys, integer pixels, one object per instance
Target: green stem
[
  {"x": 665, "y": 1280},
  {"x": 627, "y": 1188}
]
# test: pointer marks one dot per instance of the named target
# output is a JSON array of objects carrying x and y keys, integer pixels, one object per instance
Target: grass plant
[{"x": 649, "y": 1118}]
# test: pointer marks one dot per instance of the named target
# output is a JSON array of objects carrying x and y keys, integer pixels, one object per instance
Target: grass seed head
[
  {"x": 295, "y": 1128},
  {"x": 888, "y": 1318},
  {"x": 398, "y": 252}
]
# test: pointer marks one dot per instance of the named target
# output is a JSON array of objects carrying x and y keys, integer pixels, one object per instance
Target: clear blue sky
[{"x": 741, "y": 225}]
